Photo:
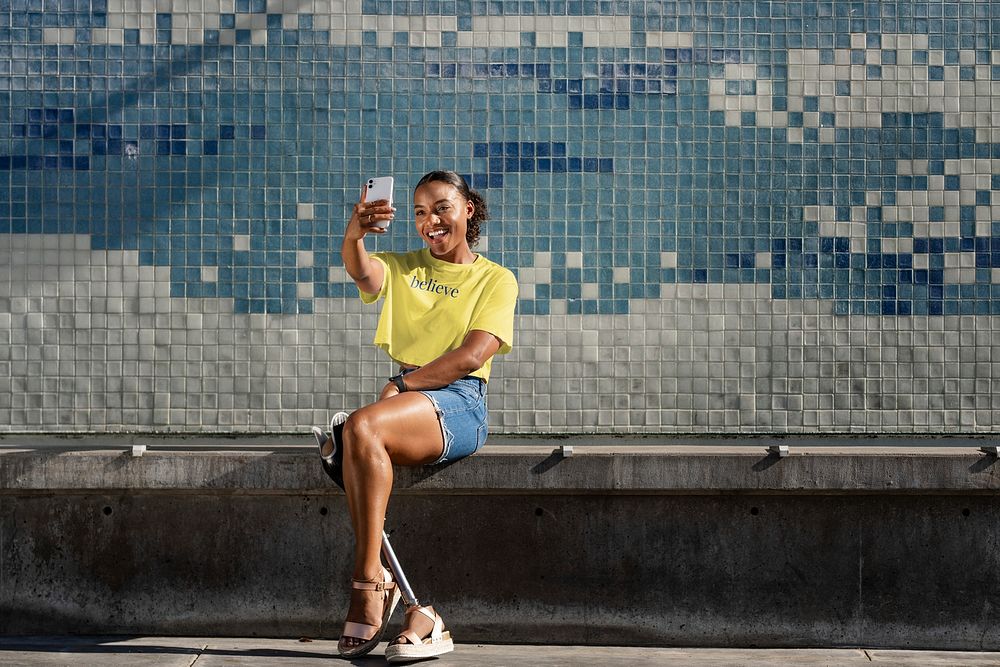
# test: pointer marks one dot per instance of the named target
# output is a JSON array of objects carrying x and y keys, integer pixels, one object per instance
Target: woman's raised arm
[{"x": 366, "y": 217}]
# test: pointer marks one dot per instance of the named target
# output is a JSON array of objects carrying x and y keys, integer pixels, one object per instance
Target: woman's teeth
[{"x": 436, "y": 233}]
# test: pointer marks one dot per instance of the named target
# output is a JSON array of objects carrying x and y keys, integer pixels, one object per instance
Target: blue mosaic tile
[{"x": 649, "y": 118}]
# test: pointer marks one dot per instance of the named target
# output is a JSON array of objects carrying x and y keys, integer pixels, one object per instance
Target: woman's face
[{"x": 442, "y": 216}]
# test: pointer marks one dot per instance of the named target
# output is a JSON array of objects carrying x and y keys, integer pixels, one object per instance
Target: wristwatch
[{"x": 398, "y": 381}]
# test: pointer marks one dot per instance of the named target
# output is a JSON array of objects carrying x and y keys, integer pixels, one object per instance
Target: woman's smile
[
  {"x": 438, "y": 235},
  {"x": 442, "y": 217}
]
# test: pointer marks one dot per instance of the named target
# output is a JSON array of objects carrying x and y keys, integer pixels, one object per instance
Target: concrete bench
[{"x": 626, "y": 540}]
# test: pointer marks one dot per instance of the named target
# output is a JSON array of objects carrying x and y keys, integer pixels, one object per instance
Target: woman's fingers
[
  {"x": 372, "y": 216},
  {"x": 376, "y": 215}
]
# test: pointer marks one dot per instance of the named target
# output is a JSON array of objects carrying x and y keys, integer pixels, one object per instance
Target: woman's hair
[{"x": 479, "y": 215}]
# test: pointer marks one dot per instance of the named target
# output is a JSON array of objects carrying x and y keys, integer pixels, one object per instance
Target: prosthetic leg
[{"x": 423, "y": 629}]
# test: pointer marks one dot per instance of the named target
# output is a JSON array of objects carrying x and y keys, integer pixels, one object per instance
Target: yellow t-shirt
[{"x": 431, "y": 305}]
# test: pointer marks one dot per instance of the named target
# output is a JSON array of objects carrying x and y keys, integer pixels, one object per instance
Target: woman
[{"x": 447, "y": 311}]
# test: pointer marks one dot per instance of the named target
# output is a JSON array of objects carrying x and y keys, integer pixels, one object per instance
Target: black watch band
[{"x": 398, "y": 381}]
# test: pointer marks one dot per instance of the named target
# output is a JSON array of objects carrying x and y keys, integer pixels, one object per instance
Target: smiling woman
[{"x": 447, "y": 312}]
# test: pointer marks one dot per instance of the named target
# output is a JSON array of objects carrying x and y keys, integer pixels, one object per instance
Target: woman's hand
[
  {"x": 388, "y": 391},
  {"x": 369, "y": 217},
  {"x": 470, "y": 356}
]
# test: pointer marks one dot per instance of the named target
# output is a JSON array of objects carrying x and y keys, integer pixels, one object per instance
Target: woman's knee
[
  {"x": 405, "y": 431},
  {"x": 360, "y": 435}
]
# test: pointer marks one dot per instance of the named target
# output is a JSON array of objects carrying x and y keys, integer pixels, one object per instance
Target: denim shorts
[{"x": 461, "y": 409}]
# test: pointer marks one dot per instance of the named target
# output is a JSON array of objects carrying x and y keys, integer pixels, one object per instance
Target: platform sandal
[
  {"x": 334, "y": 459},
  {"x": 424, "y": 630},
  {"x": 371, "y": 635}
]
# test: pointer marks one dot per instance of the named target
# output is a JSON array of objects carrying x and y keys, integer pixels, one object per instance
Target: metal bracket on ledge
[
  {"x": 566, "y": 451},
  {"x": 138, "y": 450},
  {"x": 780, "y": 450},
  {"x": 992, "y": 450}
]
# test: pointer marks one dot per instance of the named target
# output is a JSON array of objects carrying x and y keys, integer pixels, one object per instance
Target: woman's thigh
[{"x": 406, "y": 424}]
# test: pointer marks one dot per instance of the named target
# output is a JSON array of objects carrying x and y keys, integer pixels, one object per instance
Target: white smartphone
[{"x": 379, "y": 188}]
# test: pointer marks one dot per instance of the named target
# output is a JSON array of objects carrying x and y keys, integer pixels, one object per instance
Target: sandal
[
  {"x": 333, "y": 460},
  {"x": 424, "y": 630},
  {"x": 370, "y": 634}
]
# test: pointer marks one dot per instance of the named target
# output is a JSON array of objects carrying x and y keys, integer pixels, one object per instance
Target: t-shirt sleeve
[
  {"x": 372, "y": 298},
  {"x": 496, "y": 314}
]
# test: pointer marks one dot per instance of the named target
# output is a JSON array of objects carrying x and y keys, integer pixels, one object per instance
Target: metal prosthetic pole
[{"x": 409, "y": 599}]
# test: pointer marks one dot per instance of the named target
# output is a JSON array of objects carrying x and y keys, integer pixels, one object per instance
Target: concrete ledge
[
  {"x": 649, "y": 544},
  {"x": 522, "y": 469}
]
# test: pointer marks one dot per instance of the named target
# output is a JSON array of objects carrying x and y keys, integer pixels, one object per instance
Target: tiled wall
[{"x": 724, "y": 216}]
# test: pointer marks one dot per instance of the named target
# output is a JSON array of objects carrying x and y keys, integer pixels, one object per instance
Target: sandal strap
[
  {"x": 422, "y": 623},
  {"x": 387, "y": 584},
  {"x": 372, "y": 585},
  {"x": 412, "y": 637},
  {"x": 361, "y": 631},
  {"x": 427, "y": 611}
]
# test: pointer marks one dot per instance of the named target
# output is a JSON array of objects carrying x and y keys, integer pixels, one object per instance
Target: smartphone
[{"x": 379, "y": 188}]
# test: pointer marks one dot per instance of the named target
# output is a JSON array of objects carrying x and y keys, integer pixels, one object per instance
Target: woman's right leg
[{"x": 401, "y": 430}]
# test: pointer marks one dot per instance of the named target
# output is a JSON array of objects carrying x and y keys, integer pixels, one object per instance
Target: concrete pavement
[{"x": 253, "y": 652}]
